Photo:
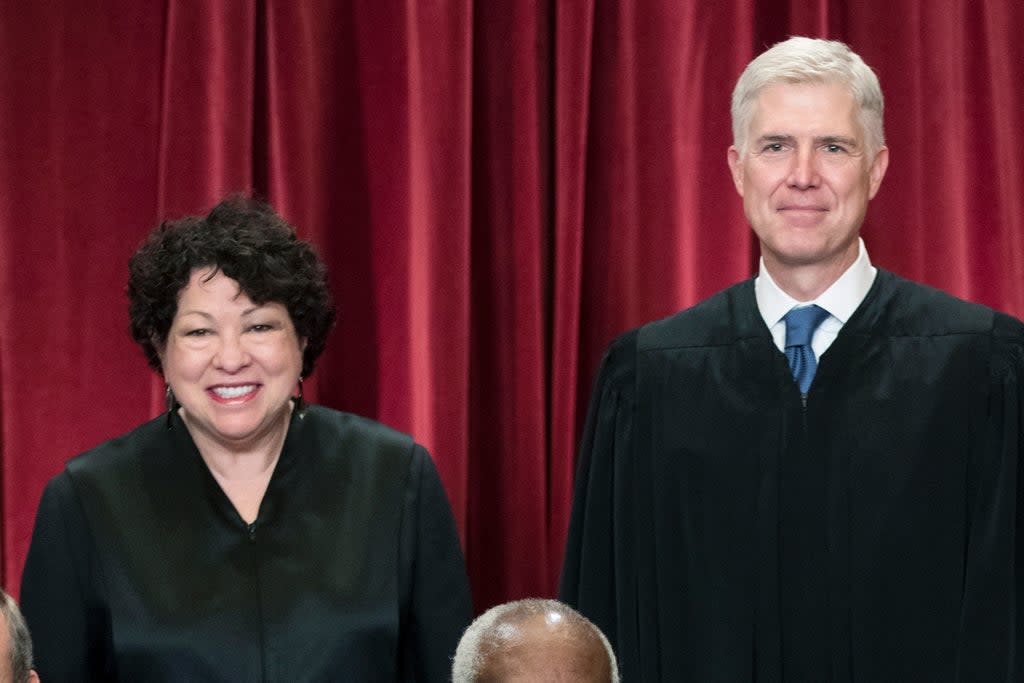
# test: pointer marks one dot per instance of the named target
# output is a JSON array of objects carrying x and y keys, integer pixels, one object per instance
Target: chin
[
  {"x": 798, "y": 250},
  {"x": 807, "y": 246},
  {"x": 237, "y": 431}
]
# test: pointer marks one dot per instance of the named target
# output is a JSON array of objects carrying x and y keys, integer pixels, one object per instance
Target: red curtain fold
[
  {"x": 498, "y": 189},
  {"x": 507, "y": 506},
  {"x": 573, "y": 28},
  {"x": 79, "y": 131}
]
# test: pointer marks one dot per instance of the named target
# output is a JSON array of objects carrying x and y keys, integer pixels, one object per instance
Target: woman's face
[{"x": 232, "y": 365}]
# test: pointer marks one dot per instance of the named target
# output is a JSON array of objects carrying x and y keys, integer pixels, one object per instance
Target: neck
[
  {"x": 243, "y": 469},
  {"x": 806, "y": 282},
  {"x": 250, "y": 459}
]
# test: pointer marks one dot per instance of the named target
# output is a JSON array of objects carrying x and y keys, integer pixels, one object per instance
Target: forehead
[
  {"x": 804, "y": 108},
  {"x": 208, "y": 286}
]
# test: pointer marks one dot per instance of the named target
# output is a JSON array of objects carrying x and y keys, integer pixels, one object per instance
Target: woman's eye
[
  {"x": 201, "y": 332},
  {"x": 261, "y": 327}
]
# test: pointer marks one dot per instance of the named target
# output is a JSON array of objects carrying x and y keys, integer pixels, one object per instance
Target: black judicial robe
[
  {"x": 140, "y": 569},
  {"x": 724, "y": 531}
]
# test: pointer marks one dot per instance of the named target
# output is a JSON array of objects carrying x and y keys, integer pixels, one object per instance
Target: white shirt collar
[{"x": 841, "y": 299}]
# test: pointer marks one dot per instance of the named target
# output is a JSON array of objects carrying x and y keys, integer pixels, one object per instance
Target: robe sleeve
[
  {"x": 437, "y": 605},
  {"x": 67, "y": 625},
  {"x": 600, "y": 571},
  {"x": 991, "y": 638}
]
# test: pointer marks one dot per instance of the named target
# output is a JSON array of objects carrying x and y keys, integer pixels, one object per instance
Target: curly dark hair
[{"x": 247, "y": 241}]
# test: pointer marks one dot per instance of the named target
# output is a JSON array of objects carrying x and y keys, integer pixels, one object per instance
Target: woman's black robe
[{"x": 140, "y": 569}]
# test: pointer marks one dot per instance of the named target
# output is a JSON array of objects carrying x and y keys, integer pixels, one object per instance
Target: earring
[
  {"x": 300, "y": 404},
  {"x": 172, "y": 406}
]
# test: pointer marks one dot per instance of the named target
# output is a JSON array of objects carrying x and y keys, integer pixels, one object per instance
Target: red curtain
[{"x": 498, "y": 187}]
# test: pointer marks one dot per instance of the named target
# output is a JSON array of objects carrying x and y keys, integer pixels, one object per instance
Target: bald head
[{"x": 533, "y": 640}]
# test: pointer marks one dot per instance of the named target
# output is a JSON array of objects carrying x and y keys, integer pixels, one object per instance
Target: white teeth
[{"x": 234, "y": 392}]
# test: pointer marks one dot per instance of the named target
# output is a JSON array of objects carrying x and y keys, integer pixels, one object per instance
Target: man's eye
[
  {"x": 834, "y": 148},
  {"x": 773, "y": 147}
]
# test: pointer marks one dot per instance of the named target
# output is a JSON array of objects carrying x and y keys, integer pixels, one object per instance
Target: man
[
  {"x": 533, "y": 640},
  {"x": 15, "y": 644},
  {"x": 812, "y": 475}
]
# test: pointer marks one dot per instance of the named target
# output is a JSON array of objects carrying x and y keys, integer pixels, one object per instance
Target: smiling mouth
[{"x": 233, "y": 392}]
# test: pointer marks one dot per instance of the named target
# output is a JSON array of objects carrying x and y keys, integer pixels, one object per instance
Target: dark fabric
[
  {"x": 722, "y": 531},
  {"x": 140, "y": 569}
]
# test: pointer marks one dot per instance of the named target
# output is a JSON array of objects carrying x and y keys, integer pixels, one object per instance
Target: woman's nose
[{"x": 231, "y": 355}]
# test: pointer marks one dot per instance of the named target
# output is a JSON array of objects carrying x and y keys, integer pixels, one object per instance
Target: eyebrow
[
  {"x": 836, "y": 140},
  {"x": 776, "y": 138},
  {"x": 820, "y": 140}
]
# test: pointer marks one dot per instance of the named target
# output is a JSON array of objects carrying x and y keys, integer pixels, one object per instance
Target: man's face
[
  {"x": 6, "y": 670},
  {"x": 805, "y": 176},
  {"x": 6, "y": 675}
]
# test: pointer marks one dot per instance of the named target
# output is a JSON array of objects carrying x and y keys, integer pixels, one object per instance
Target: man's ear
[
  {"x": 736, "y": 168},
  {"x": 877, "y": 171}
]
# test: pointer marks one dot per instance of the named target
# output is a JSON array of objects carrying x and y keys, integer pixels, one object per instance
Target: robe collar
[{"x": 841, "y": 299}]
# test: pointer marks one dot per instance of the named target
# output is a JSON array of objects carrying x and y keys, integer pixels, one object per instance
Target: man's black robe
[{"x": 724, "y": 530}]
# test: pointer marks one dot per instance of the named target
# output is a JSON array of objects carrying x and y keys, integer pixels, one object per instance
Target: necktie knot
[
  {"x": 801, "y": 323},
  {"x": 800, "y": 326}
]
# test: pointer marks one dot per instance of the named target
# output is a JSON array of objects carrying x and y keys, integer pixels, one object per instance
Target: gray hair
[
  {"x": 21, "y": 643},
  {"x": 810, "y": 60},
  {"x": 484, "y": 636}
]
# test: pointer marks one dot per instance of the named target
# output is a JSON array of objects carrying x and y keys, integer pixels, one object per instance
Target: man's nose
[{"x": 803, "y": 172}]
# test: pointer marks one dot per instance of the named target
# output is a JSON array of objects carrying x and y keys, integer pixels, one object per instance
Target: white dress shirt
[{"x": 841, "y": 299}]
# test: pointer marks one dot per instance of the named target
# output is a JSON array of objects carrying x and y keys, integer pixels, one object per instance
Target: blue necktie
[{"x": 800, "y": 326}]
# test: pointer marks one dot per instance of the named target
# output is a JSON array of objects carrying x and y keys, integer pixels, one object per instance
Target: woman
[{"x": 243, "y": 536}]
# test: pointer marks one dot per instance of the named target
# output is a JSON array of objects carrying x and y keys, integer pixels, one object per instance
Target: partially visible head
[
  {"x": 248, "y": 242},
  {"x": 802, "y": 60},
  {"x": 534, "y": 640},
  {"x": 15, "y": 644}
]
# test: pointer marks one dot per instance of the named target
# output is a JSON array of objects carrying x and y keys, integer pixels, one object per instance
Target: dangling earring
[
  {"x": 300, "y": 404},
  {"x": 172, "y": 406}
]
